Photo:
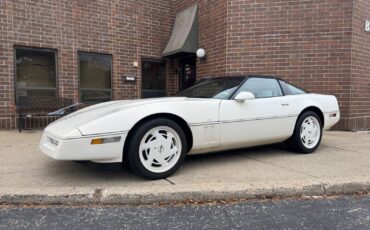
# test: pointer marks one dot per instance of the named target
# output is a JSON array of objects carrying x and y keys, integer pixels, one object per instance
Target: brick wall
[
  {"x": 156, "y": 22},
  {"x": 212, "y": 34},
  {"x": 126, "y": 29},
  {"x": 305, "y": 42},
  {"x": 319, "y": 45},
  {"x": 360, "y": 84},
  {"x": 6, "y": 83}
]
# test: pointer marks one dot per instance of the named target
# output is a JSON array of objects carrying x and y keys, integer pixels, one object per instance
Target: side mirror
[{"x": 243, "y": 96}]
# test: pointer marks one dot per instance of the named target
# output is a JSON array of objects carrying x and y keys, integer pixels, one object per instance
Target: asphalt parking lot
[
  {"x": 341, "y": 165},
  {"x": 343, "y": 212}
]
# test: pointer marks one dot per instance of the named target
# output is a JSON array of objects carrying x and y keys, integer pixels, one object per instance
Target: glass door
[{"x": 188, "y": 72}]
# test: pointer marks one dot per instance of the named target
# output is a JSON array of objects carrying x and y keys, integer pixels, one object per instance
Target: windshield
[{"x": 218, "y": 88}]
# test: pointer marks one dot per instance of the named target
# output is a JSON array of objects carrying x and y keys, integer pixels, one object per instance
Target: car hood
[{"x": 83, "y": 116}]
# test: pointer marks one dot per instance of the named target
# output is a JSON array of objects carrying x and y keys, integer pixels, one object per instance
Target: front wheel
[
  {"x": 307, "y": 133},
  {"x": 156, "y": 148}
]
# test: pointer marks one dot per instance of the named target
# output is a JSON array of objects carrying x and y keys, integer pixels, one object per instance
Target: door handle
[{"x": 285, "y": 104}]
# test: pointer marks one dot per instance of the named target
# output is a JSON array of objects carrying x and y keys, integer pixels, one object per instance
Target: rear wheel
[
  {"x": 156, "y": 148},
  {"x": 307, "y": 133}
]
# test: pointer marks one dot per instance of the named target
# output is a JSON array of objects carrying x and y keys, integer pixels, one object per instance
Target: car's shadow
[
  {"x": 246, "y": 152},
  {"x": 86, "y": 173}
]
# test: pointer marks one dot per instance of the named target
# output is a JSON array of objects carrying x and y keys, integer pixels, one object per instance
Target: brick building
[{"x": 97, "y": 50}]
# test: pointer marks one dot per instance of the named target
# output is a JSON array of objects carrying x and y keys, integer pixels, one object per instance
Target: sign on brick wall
[{"x": 367, "y": 26}]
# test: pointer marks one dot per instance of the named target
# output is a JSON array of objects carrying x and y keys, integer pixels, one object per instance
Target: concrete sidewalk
[{"x": 341, "y": 165}]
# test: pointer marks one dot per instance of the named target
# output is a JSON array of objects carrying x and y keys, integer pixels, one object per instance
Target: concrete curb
[
  {"x": 68, "y": 196},
  {"x": 173, "y": 194}
]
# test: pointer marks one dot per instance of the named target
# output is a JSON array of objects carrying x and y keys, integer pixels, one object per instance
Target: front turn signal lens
[{"x": 97, "y": 141}]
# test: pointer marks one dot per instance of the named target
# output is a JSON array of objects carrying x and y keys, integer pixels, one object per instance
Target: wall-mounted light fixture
[{"x": 201, "y": 54}]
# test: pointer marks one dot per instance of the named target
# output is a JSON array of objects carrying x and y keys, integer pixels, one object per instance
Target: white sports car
[{"x": 153, "y": 136}]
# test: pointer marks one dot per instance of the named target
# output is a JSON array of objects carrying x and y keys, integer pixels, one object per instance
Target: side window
[
  {"x": 295, "y": 90},
  {"x": 290, "y": 89},
  {"x": 262, "y": 87}
]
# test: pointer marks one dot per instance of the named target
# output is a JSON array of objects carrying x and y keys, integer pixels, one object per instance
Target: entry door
[
  {"x": 188, "y": 72},
  {"x": 153, "y": 78},
  {"x": 263, "y": 120}
]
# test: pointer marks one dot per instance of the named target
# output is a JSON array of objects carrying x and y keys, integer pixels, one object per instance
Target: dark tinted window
[
  {"x": 219, "y": 88},
  {"x": 262, "y": 87},
  {"x": 95, "y": 77},
  {"x": 153, "y": 79},
  {"x": 35, "y": 73}
]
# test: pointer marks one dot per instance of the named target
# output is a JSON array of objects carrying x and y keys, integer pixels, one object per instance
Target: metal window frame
[
  {"x": 35, "y": 49},
  {"x": 80, "y": 89}
]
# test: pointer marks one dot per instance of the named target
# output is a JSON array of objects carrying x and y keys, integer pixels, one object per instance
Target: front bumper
[{"x": 80, "y": 148}]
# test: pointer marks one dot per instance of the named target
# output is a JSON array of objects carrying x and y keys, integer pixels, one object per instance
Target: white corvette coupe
[{"x": 153, "y": 136}]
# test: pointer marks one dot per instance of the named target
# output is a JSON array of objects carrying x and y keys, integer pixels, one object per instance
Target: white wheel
[
  {"x": 307, "y": 133},
  {"x": 156, "y": 148},
  {"x": 310, "y": 132},
  {"x": 160, "y": 149}
]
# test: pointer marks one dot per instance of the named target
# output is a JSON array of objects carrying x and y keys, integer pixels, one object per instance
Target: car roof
[{"x": 241, "y": 76}]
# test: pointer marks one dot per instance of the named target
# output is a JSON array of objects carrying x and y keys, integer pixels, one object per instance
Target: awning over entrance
[{"x": 184, "y": 37}]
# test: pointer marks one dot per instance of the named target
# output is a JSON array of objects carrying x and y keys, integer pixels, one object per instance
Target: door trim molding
[{"x": 241, "y": 120}]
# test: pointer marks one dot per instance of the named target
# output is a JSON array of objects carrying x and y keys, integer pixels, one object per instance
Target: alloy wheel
[
  {"x": 160, "y": 149},
  {"x": 310, "y": 132}
]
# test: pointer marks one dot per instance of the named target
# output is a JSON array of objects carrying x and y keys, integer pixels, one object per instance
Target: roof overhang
[{"x": 184, "y": 37}]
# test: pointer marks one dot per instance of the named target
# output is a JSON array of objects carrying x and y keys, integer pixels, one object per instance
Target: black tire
[
  {"x": 295, "y": 143},
  {"x": 132, "y": 154},
  {"x": 82, "y": 162}
]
